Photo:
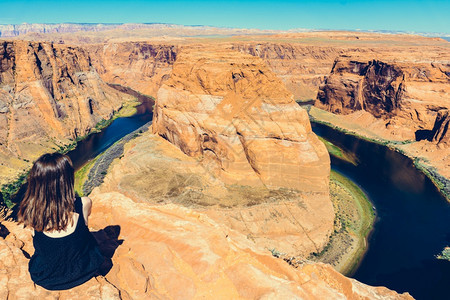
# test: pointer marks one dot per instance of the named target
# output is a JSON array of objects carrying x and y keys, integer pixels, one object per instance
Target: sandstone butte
[
  {"x": 49, "y": 94},
  {"x": 230, "y": 112}
]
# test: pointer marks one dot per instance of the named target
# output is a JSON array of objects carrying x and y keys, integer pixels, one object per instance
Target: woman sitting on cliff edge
[{"x": 66, "y": 254}]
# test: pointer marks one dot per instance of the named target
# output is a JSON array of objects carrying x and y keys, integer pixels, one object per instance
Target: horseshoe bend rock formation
[
  {"x": 48, "y": 94},
  {"x": 229, "y": 110},
  {"x": 171, "y": 252}
]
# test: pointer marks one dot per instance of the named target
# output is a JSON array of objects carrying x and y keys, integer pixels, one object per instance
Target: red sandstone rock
[
  {"x": 48, "y": 95},
  {"x": 406, "y": 96},
  {"x": 440, "y": 132},
  {"x": 231, "y": 111},
  {"x": 140, "y": 66}
]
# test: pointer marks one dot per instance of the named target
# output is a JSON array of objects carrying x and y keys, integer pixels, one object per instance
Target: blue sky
[{"x": 413, "y": 15}]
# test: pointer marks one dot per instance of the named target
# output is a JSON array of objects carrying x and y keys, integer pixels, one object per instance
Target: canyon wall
[
  {"x": 398, "y": 98},
  {"x": 407, "y": 96},
  {"x": 440, "y": 134},
  {"x": 141, "y": 66},
  {"x": 49, "y": 95},
  {"x": 302, "y": 68}
]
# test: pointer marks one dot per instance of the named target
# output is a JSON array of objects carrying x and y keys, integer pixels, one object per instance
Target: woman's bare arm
[{"x": 87, "y": 205}]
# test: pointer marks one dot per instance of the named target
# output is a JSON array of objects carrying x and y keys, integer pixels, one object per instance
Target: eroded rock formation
[
  {"x": 374, "y": 86},
  {"x": 405, "y": 97},
  {"x": 48, "y": 95},
  {"x": 231, "y": 111},
  {"x": 440, "y": 134}
]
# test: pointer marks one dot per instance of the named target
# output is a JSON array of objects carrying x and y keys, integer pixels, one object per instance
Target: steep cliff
[
  {"x": 374, "y": 86},
  {"x": 404, "y": 97},
  {"x": 440, "y": 134},
  {"x": 49, "y": 94},
  {"x": 302, "y": 68},
  {"x": 142, "y": 66}
]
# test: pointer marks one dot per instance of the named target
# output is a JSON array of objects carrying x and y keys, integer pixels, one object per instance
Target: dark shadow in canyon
[{"x": 423, "y": 134}]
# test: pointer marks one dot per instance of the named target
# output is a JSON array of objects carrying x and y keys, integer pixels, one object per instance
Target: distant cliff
[
  {"x": 20, "y": 29},
  {"x": 407, "y": 96},
  {"x": 302, "y": 68},
  {"x": 140, "y": 65},
  {"x": 150, "y": 29}
]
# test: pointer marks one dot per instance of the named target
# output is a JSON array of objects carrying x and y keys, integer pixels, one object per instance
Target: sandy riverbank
[{"x": 353, "y": 222}]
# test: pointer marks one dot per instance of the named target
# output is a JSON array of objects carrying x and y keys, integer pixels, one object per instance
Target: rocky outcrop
[
  {"x": 170, "y": 252},
  {"x": 49, "y": 95},
  {"x": 141, "y": 66},
  {"x": 372, "y": 86},
  {"x": 440, "y": 133},
  {"x": 405, "y": 97},
  {"x": 16, "y": 246},
  {"x": 230, "y": 111}
]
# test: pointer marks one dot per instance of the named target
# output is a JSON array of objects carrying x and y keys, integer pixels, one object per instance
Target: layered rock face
[
  {"x": 302, "y": 68},
  {"x": 405, "y": 97},
  {"x": 48, "y": 95},
  {"x": 141, "y": 66},
  {"x": 440, "y": 132},
  {"x": 374, "y": 86},
  {"x": 235, "y": 117},
  {"x": 230, "y": 111}
]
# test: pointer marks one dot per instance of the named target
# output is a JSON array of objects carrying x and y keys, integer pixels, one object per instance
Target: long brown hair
[{"x": 49, "y": 200}]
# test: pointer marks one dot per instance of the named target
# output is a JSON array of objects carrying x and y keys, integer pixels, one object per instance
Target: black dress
[{"x": 65, "y": 262}]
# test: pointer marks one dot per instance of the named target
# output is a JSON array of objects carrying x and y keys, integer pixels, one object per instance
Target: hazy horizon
[{"x": 366, "y": 15}]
